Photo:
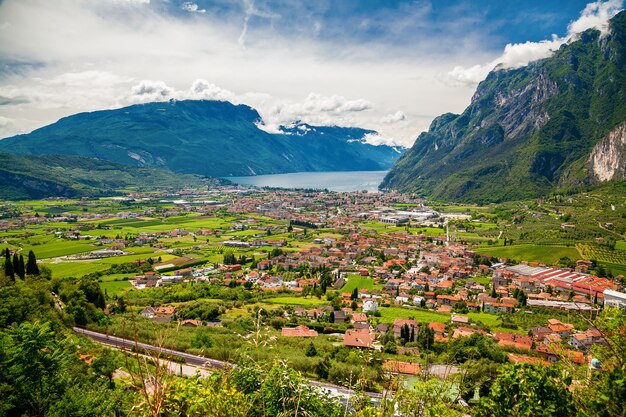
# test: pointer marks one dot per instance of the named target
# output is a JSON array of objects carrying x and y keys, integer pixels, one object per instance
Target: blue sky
[{"x": 391, "y": 66}]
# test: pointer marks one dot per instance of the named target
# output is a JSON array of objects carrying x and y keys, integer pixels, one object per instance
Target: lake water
[{"x": 333, "y": 181}]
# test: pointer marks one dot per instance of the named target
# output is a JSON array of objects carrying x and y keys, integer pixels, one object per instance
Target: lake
[{"x": 333, "y": 181}]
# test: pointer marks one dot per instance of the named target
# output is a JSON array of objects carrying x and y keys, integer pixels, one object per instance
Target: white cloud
[
  {"x": 378, "y": 139},
  {"x": 147, "y": 91},
  {"x": 192, "y": 7},
  {"x": 596, "y": 15},
  {"x": 203, "y": 90},
  {"x": 250, "y": 11},
  {"x": 396, "y": 117},
  {"x": 85, "y": 56}
]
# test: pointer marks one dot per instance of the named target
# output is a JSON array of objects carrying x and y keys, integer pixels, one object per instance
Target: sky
[{"x": 389, "y": 65}]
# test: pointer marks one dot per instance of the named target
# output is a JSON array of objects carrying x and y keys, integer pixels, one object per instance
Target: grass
[
  {"x": 55, "y": 247},
  {"x": 75, "y": 269},
  {"x": 115, "y": 287},
  {"x": 548, "y": 255},
  {"x": 389, "y": 314},
  {"x": 482, "y": 280},
  {"x": 358, "y": 282},
  {"x": 297, "y": 301}
]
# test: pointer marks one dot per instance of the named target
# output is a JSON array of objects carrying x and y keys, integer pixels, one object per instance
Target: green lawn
[
  {"x": 482, "y": 280},
  {"x": 389, "y": 314},
  {"x": 359, "y": 282},
  {"x": 534, "y": 253},
  {"x": 75, "y": 269},
  {"x": 621, "y": 244},
  {"x": 55, "y": 247},
  {"x": 115, "y": 287}
]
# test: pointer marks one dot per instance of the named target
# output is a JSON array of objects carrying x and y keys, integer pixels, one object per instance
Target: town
[{"x": 366, "y": 271}]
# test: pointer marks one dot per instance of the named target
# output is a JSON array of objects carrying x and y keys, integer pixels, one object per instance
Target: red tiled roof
[{"x": 299, "y": 331}]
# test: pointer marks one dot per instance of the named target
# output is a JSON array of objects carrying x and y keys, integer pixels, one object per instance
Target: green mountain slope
[
  {"x": 210, "y": 138},
  {"x": 554, "y": 124},
  {"x": 35, "y": 177}
]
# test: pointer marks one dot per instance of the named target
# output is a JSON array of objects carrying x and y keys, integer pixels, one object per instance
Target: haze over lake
[{"x": 333, "y": 181}]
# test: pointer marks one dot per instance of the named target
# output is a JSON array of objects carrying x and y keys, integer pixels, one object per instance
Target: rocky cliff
[{"x": 554, "y": 124}]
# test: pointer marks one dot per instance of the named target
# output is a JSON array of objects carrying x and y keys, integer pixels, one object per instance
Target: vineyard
[{"x": 601, "y": 253}]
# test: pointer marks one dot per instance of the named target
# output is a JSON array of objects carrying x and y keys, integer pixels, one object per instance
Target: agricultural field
[
  {"x": 548, "y": 255},
  {"x": 359, "y": 282},
  {"x": 389, "y": 314}
]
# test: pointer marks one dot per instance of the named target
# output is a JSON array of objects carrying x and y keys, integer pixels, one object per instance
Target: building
[
  {"x": 614, "y": 299},
  {"x": 359, "y": 338},
  {"x": 299, "y": 331},
  {"x": 370, "y": 305}
]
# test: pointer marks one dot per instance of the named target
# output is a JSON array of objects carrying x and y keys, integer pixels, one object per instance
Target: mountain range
[
  {"x": 209, "y": 138},
  {"x": 553, "y": 125}
]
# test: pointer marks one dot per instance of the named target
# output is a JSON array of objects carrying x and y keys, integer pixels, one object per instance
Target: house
[
  {"x": 458, "y": 319},
  {"x": 191, "y": 323},
  {"x": 514, "y": 340},
  {"x": 370, "y": 305},
  {"x": 466, "y": 331},
  {"x": 359, "y": 338},
  {"x": 397, "y": 367},
  {"x": 580, "y": 341},
  {"x": 399, "y": 323},
  {"x": 299, "y": 331},
  {"x": 339, "y": 316},
  {"x": 148, "y": 312}
]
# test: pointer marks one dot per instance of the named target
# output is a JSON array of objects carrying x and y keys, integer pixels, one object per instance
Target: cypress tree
[
  {"x": 31, "y": 265},
  {"x": 21, "y": 270},
  {"x": 16, "y": 264},
  {"x": 412, "y": 338},
  {"x": 8, "y": 265}
]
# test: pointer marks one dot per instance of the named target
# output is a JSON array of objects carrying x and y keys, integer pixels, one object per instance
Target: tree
[
  {"x": 8, "y": 265},
  {"x": 31, "y": 264},
  {"x": 16, "y": 263},
  {"x": 355, "y": 294},
  {"x": 425, "y": 337},
  {"x": 528, "y": 390},
  {"x": 21, "y": 270},
  {"x": 310, "y": 350}
]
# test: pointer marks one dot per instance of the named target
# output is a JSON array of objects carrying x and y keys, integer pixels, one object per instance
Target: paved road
[{"x": 201, "y": 361}]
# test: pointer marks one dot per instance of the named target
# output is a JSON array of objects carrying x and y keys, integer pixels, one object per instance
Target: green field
[
  {"x": 115, "y": 287},
  {"x": 55, "y": 247},
  {"x": 359, "y": 282},
  {"x": 75, "y": 269},
  {"x": 548, "y": 255},
  {"x": 482, "y": 280},
  {"x": 389, "y": 314}
]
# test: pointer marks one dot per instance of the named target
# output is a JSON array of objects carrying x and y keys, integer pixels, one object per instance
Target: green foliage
[
  {"x": 528, "y": 390},
  {"x": 42, "y": 376},
  {"x": 429, "y": 398},
  {"x": 281, "y": 391},
  {"x": 310, "y": 350},
  {"x": 72, "y": 176},
  {"x": 475, "y": 346}
]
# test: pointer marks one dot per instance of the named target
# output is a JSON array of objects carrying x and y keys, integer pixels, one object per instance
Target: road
[{"x": 201, "y": 361}]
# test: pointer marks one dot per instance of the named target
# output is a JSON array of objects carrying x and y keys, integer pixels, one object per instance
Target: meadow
[{"x": 548, "y": 255}]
